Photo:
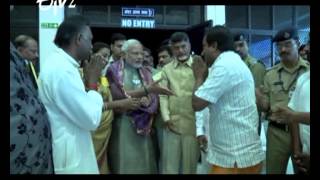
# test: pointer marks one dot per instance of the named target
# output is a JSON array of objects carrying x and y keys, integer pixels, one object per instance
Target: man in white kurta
[
  {"x": 73, "y": 111},
  {"x": 300, "y": 102}
]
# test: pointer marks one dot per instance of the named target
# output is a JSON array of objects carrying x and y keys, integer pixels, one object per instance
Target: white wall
[
  {"x": 46, "y": 36},
  {"x": 216, "y": 13}
]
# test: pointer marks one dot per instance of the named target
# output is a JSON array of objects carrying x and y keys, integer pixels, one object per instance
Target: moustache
[
  {"x": 181, "y": 55},
  {"x": 284, "y": 53}
]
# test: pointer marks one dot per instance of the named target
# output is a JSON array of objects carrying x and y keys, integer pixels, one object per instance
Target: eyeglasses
[{"x": 286, "y": 44}]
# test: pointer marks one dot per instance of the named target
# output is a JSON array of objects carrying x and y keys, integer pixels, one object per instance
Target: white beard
[{"x": 136, "y": 66}]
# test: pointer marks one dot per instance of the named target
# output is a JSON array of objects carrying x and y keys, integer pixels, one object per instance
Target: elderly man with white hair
[{"x": 131, "y": 148}]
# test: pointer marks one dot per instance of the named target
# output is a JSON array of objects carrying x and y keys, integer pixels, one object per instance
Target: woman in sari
[{"x": 102, "y": 134}]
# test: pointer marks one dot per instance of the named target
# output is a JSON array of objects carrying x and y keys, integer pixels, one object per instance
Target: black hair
[
  {"x": 147, "y": 49},
  {"x": 165, "y": 42},
  {"x": 164, "y": 48},
  {"x": 178, "y": 37},
  {"x": 240, "y": 36},
  {"x": 222, "y": 36},
  {"x": 99, "y": 45},
  {"x": 117, "y": 37},
  {"x": 69, "y": 28},
  {"x": 302, "y": 47}
]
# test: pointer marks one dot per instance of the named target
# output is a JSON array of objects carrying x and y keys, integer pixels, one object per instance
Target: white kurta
[
  {"x": 73, "y": 113},
  {"x": 300, "y": 102}
]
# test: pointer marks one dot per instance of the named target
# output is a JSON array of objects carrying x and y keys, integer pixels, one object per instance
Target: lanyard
[
  {"x": 33, "y": 72},
  {"x": 281, "y": 82}
]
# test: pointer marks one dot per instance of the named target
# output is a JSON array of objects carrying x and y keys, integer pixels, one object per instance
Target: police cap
[
  {"x": 239, "y": 37},
  {"x": 286, "y": 34}
]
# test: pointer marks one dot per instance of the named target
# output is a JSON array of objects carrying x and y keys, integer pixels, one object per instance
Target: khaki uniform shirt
[
  {"x": 257, "y": 69},
  {"x": 280, "y": 82}
]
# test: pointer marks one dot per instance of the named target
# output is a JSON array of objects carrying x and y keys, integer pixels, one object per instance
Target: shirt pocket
[{"x": 65, "y": 154}]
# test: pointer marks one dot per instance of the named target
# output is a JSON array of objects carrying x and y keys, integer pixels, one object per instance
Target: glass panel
[
  {"x": 177, "y": 15},
  {"x": 115, "y": 14},
  {"x": 302, "y": 10},
  {"x": 276, "y": 58},
  {"x": 24, "y": 20},
  {"x": 261, "y": 17},
  {"x": 24, "y": 15},
  {"x": 237, "y": 16},
  {"x": 260, "y": 48},
  {"x": 158, "y": 11},
  {"x": 304, "y": 23},
  {"x": 73, "y": 11},
  {"x": 304, "y": 36},
  {"x": 195, "y": 15},
  {"x": 96, "y": 14},
  {"x": 303, "y": 17},
  {"x": 283, "y": 16}
]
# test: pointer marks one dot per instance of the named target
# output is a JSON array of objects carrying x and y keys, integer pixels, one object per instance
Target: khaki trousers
[
  {"x": 180, "y": 153},
  {"x": 278, "y": 150}
]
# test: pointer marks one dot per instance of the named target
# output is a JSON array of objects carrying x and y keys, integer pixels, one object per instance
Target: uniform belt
[{"x": 283, "y": 127}]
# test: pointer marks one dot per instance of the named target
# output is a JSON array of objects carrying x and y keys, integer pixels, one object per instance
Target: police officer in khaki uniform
[
  {"x": 257, "y": 67},
  {"x": 279, "y": 83}
]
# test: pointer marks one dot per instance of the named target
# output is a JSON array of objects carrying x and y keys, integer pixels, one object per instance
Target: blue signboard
[{"x": 138, "y": 12}]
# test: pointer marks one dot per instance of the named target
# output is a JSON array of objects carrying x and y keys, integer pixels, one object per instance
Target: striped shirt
[
  {"x": 202, "y": 118},
  {"x": 233, "y": 136}
]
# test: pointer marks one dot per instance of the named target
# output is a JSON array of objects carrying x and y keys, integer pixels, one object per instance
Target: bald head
[{"x": 28, "y": 47}]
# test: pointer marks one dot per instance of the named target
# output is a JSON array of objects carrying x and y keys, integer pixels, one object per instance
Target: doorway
[{"x": 152, "y": 38}]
